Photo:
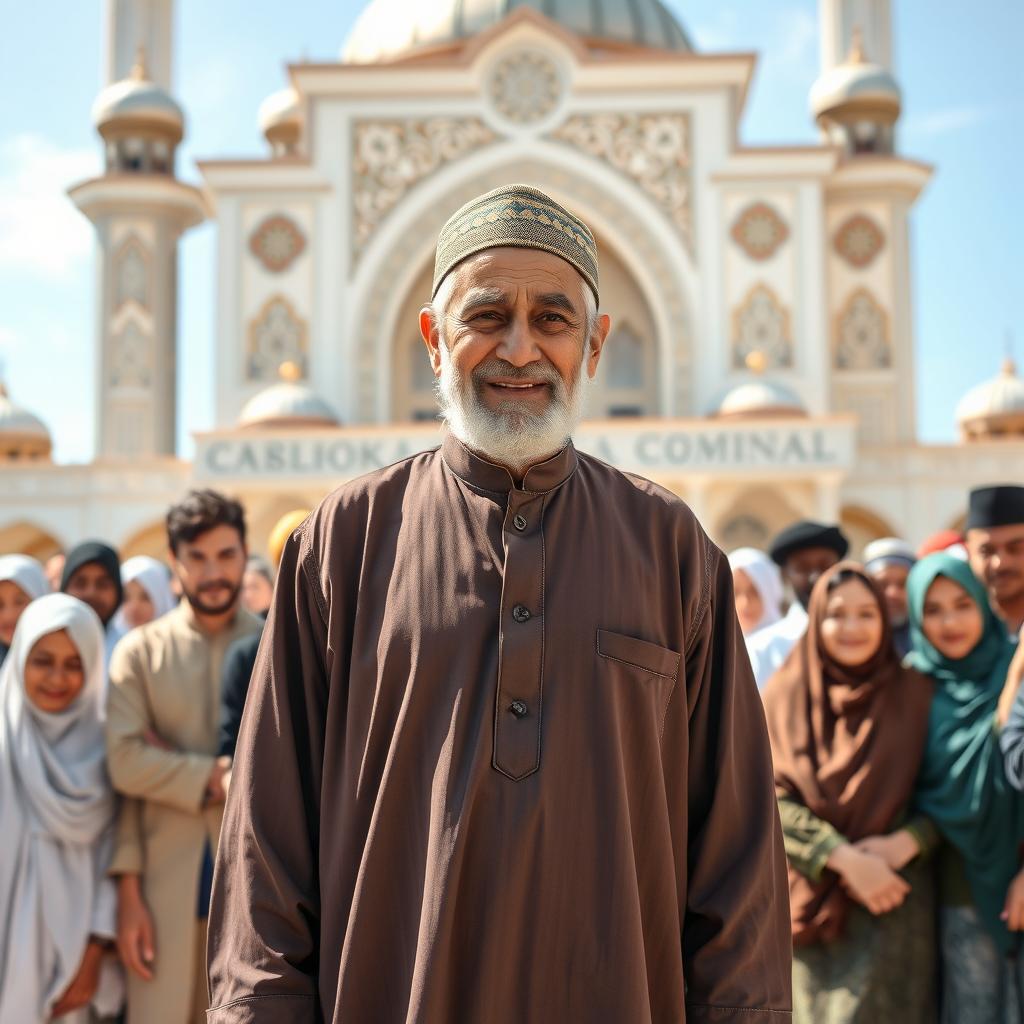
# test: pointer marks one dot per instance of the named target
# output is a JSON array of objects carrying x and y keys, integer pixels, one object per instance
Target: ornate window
[
  {"x": 761, "y": 324},
  {"x": 862, "y": 335},
  {"x": 130, "y": 358},
  {"x": 759, "y": 231},
  {"x": 131, "y": 275},
  {"x": 859, "y": 240},
  {"x": 277, "y": 242},
  {"x": 276, "y": 335},
  {"x": 625, "y": 381}
]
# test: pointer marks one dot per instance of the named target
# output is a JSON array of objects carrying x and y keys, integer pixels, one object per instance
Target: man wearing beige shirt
[{"x": 162, "y": 719}]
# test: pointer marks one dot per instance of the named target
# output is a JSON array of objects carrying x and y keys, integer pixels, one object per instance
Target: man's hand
[
  {"x": 1013, "y": 910},
  {"x": 83, "y": 986},
  {"x": 134, "y": 928},
  {"x": 868, "y": 879},
  {"x": 897, "y": 849},
  {"x": 154, "y": 739},
  {"x": 216, "y": 786},
  {"x": 1014, "y": 677}
]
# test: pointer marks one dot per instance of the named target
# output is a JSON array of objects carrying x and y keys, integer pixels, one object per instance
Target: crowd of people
[{"x": 891, "y": 689}]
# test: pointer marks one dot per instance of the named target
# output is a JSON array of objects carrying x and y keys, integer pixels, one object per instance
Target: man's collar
[{"x": 488, "y": 476}]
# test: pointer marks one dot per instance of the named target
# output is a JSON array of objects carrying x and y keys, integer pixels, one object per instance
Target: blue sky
[{"x": 963, "y": 112}]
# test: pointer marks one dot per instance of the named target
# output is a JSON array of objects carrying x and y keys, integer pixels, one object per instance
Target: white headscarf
[
  {"x": 56, "y": 803},
  {"x": 26, "y": 573},
  {"x": 767, "y": 580},
  {"x": 155, "y": 578}
]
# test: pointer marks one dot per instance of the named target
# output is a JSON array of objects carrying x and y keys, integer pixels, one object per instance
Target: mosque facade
[{"x": 761, "y": 359}]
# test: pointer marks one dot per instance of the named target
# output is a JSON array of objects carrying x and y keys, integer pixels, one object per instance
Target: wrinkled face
[
  {"x": 13, "y": 601},
  {"x": 210, "y": 569},
  {"x": 54, "y": 673},
  {"x": 892, "y": 580},
  {"x": 92, "y": 584},
  {"x": 951, "y": 620},
  {"x": 852, "y": 629},
  {"x": 749, "y": 606},
  {"x": 137, "y": 606},
  {"x": 257, "y": 592},
  {"x": 803, "y": 569},
  {"x": 510, "y": 336},
  {"x": 997, "y": 558}
]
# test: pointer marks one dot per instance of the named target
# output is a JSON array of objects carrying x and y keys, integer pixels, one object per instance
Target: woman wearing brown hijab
[{"x": 848, "y": 725}]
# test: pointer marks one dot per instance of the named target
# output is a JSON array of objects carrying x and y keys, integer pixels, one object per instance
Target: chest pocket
[{"x": 643, "y": 674}]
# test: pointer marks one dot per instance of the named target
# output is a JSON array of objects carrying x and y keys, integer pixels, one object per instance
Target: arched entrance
[
  {"x": 753, "y": 518},
  {"x": 149, "y": 540},
  {"x": 861, "y": 527},
  {"x": 28, "y": 539}
]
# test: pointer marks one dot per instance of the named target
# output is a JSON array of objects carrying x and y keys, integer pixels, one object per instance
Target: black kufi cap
[
  {"x": 807, "y": 534},
  {"x": 1000, "y": 505}
]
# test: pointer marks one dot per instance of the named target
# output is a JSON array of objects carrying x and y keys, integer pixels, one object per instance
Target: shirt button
[
  {"x": 518, "y": 708},
  {"x": 519, "y": 522},
  {"x": 521, "y": 613}
]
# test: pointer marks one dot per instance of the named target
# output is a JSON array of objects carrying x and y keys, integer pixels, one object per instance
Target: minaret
[
  {"x": 140, "y": 210},
  {"x": 840, "y": 20}
]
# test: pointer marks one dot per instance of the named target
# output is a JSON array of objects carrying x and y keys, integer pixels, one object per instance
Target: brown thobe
[{"x": 502, "y": 762}]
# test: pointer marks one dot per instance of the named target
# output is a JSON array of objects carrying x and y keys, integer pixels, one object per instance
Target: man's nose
[{"x": 517, "y": 345}]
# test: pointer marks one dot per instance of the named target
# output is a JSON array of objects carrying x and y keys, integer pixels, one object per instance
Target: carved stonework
[
  {"x": 858, "y": 240},
  {"x": 391, "y": 157},
  {"x": 131, "y": 275},
  {"x": 759, "y": 231},
  {"x": 761, "y": 324},
  {"x": 277, "y": 242},
  {"x": 277, "y": 335},
  {"x": 652, "y": 150},
  {"x": 130, "y": 358},
  {"x": 862, "y": 334},
  {"x": 525, "y": 87}
]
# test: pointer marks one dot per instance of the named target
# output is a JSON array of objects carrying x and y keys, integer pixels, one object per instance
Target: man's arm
[
  {"x": 264, "y": 933},
  {"x": 737, "y": 945},
  {"x": 137, "y": 767},
  {"x": 237, "y": 673}
]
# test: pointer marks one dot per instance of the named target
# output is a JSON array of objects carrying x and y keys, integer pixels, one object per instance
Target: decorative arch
[
  {"x": 615, "y": 210},
  {"x": 26, "y": 538},
  {"x": 862, "y": 334},
  {"x": 755, "y": 516},
  {"x": 150, "y": 539},
  {"x": 131, "y": 274},
  {"x": 761, "y": 323},
  {"x": 277, "y": 334},
  {"x": 862, "y": 526}
]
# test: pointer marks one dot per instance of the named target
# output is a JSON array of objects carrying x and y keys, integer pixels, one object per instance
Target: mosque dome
[
  {"x": 136, "y": 105},
  {"x": 994, "y": 408},
  {"x": 856, "y": 90},
  {"x": 754, "y": 398},
  {"x": 288, "y": 404},
  {"x": 23, "y": 435},
  {"x": 281, "y": 120},
  {"x": 391, "y": 29}
]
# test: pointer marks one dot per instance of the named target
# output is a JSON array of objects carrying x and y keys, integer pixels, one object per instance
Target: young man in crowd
[
  {"x": 995, "y": 544},
  {"x": 162, "y": 749},
  {"x": 92, "y": 573},
  {"x": 803, "y": 552}
]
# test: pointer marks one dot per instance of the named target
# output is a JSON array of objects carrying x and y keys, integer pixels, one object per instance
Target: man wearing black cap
[
  {"x": 995, "y": 543},
  {"x": 803, "y": 552},
  {"x": 92, "y": 573}
]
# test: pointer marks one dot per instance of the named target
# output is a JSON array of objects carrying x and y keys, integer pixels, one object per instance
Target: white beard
[{"x": 511, "y": 436}]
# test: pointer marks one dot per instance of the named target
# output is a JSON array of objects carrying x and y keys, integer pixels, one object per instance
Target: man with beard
[
  {"x": 92, "y": 573},
  {"x": 502, "y": 758},
  {"x": 162, "y": 717},
  {"x": 888, "y": 562},
  {"x": 995, "y": 544},
  {"x": 803, "y": 551}
]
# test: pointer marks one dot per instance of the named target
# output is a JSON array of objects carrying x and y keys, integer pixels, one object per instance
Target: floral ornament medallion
[
  {"x": 525, "y": 87},
  {"x": 277, "y": 243},
  {"x": 859, "y": 240},
  {"x": 759, "y": 231}
]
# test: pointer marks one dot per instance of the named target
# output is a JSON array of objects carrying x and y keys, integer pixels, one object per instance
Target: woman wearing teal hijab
[{"x": 959, "y": 642}]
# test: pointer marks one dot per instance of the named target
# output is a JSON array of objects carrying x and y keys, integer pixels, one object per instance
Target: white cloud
[
  {"x": 41, "y": 232},
  {"x": 952, "y": 119}
]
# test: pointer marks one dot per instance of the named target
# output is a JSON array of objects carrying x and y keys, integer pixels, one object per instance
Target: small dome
[
  {"x": 390, "y": 29},
  {"x": 287, "y": 404},
  {"x": 137, "y": 105},
  {"x": 755, "y": 398},
  {"x": 856, "y": 90},
  {"x": 23, "y": 435},
  {"x": 995, "y": 407},
  {"x": 281, "y": 117}
]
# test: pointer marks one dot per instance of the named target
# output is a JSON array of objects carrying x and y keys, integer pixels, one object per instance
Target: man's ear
[
  {"x": 431, "y": 338},
  {"x": 595, "y": 344}
]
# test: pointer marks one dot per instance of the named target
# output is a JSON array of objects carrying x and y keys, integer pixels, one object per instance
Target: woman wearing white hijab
[
  {"x": 147, "y": 593},
  {"x": 757, "y": 586},
  {"x": 56, "y": 819},
  {"x": 22, "y": 580}
]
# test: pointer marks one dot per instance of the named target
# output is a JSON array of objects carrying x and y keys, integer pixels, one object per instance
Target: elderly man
[
  {"x": 888, "y": 562},
  {"x": 503, "y": 759},
  {"x": 803, "y": 551},
  {"x": 995, "y": 544}
]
